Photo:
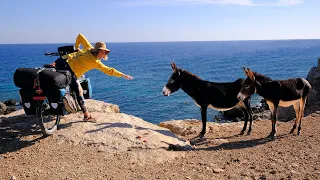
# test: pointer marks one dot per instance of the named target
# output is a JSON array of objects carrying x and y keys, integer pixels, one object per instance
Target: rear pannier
[{"x": 49, "y": 80}]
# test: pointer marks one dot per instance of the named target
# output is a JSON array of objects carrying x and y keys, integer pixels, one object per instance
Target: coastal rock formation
[
  {"x": 10, "y": 102},
  {"x": 8, "y": 106},
  {"x": 314, "y": 79},
  {"x": 260, "y": 111},
  {"x": 193, "y": 126},
  {"x": 114, "y": 132}
]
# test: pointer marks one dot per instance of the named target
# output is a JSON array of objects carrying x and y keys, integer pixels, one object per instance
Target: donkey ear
[
  {"x": 173, "y": 66},
  {"x": 251, "y": 75},
  {"x": 246, "y": 72}
]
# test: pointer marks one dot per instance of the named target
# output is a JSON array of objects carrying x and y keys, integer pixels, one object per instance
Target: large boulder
[
  {"x": 3, "y": 108},
  {"x": 314, "y": 79}
]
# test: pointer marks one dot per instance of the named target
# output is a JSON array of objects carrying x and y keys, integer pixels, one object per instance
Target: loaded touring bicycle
[{"x": 45, "y": 92}]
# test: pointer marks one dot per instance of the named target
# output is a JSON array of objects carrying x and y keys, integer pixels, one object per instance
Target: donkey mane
[
  {"x": 260, "y": 77},
  {"x": 189, "y": 74}
]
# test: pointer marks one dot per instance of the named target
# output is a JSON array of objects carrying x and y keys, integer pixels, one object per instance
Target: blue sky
[{"x": 57, "y": 21}]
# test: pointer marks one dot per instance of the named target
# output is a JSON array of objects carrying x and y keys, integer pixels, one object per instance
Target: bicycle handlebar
[{"x": 52, "y": 54}]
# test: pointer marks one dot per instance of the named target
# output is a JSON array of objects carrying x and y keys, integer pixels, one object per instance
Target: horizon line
[{"x": 170, "y": 41}]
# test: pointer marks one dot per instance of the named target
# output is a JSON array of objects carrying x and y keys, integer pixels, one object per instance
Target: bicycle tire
[{"x": 45, "y": 127}]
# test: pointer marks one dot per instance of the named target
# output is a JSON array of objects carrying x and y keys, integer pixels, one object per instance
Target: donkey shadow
[
  {"x": 242, "y": 144},
  {"x": 15, "y": 132}
]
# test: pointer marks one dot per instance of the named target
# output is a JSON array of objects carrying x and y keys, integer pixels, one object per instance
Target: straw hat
[{"x": 101, "y": 46}]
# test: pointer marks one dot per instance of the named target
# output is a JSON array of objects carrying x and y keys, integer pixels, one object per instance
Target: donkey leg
[
  {"x": 273, "y": 108},
  {"x": 250, "y": 118},
  {"x": 297, "y": 111},
  {"x": 274, "y": 122},
  {"x": 204, "y": 121},
  {"x": 245, "y": 113},
  {"x": 250, "y": 114},
  {"x": 302, "y": 106}
]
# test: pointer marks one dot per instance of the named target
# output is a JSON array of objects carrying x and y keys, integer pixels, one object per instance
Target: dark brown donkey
[
  {"x": 276, "y": 93},
  {"x": 219, "y": 96}
]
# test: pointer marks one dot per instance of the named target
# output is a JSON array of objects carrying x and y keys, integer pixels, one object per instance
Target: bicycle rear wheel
[{"x": 48, "y": 122}]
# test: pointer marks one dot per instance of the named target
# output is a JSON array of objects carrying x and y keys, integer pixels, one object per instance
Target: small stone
[
  {"x": 294, "y": 172},
  {"x": 263, "y": 177},
  {"x": 295, "y": 165},
  {"x": 273, "y": 172},
  {"x": 61, "y": 141},
  {"x": 217, "y": 170},
  {"x": 13, "y": 178}
]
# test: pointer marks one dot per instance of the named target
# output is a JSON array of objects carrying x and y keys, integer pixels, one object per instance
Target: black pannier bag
[
  {"x": 55, "y": 102},
  {"x": 50, "y": 80},
  {"x": 24, "y": 77},
  {"x": 28, "y": 104},
  {"x": 54, "y": 80}
]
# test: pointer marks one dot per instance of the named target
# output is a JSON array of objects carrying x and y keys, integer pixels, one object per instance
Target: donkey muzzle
[
  {"x": 166, "y": 91},
  {"x": 240, "y": 96}
]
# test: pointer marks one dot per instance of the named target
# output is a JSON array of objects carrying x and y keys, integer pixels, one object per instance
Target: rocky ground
[{"x": 73, "y": 153}]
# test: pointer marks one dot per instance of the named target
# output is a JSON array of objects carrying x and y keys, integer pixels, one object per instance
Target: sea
[{"x": 149, "y": 64}]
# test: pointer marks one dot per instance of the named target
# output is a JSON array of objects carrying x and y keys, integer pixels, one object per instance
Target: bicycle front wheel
[{"x": 48, "y": 122}]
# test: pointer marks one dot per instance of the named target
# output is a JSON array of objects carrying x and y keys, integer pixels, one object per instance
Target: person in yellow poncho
[{"x": 78, "y": 63}]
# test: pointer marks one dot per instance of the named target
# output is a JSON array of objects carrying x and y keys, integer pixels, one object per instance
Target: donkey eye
[
  {"x": 171, "y": 81},
  {"x": 246, "y": 86}
]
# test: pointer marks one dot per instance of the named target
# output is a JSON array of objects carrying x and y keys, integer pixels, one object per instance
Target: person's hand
[{"x": 127, "y": 77}]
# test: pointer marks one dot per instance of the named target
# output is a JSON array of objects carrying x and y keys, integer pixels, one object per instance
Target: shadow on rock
[
  {"x": 110, "y": 125},
  {"x": 18, "y": 132},
  {"x": 164, "y": 132}
]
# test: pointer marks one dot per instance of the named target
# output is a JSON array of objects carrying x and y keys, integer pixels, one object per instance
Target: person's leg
[{"x": 76, "y": 87}]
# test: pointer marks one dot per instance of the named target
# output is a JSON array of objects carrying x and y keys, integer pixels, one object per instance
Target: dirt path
[{"x": 222, "y": 155}]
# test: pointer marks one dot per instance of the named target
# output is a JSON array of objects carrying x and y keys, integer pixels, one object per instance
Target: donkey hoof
[
  {"x": 292, "y": 130},
  {"x": 200, "y": 136},
  {"x": 241, "y": 133},
  {"x": 272, "y": 136},
  {"x": 249, "y": 133}
]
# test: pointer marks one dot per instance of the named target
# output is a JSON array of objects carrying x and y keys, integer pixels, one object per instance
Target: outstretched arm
[{"x": 112, "y": 72}]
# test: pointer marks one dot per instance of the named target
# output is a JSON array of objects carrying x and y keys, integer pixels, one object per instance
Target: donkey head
[
  {"x": 248, "y": 86},
  {"x": 174, "y": 83}
]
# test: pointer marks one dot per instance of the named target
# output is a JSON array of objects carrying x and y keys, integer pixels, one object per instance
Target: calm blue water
[{"x": 149, "y": 64}]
